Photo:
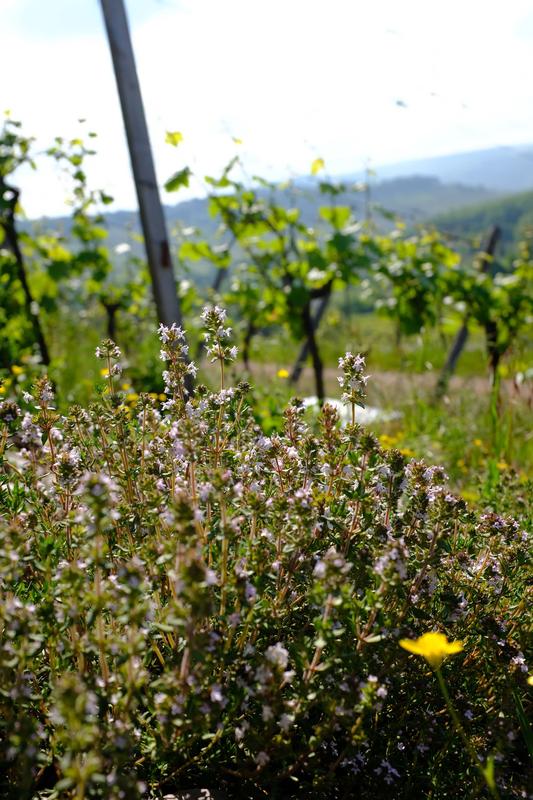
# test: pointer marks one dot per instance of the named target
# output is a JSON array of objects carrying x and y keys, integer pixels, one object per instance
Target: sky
[{"x": 355, "y": 82}]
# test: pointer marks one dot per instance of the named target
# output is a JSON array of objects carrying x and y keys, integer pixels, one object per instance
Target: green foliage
[
  {"x": 15, "y": 149},
  {"x": 64, "y": 274},
  {"x": 414, "y": 279},
  {"x": 178, "y": 180},
  {"x": 284, "y": 264},
  {"x": 501, "y": 303}
]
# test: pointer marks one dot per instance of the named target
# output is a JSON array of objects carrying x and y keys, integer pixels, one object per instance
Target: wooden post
[{"x": 151, "y": 210}]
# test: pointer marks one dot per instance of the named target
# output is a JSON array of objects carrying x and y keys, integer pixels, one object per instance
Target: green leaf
[
  {"x": 333, "y": 189},
  {"x": 527, "y": 732},
  {"x": 195, "y": 250},
  {"x": 488, "y": 772},
  {"x": 338, "y": 216},
  {"x": 58, "y": 270},
  {"x": 59, "y": 253},
  {"x": 173, "y": 138},
  {"x": 220, "y": 182},
  {"x": 179, "y": 179}
]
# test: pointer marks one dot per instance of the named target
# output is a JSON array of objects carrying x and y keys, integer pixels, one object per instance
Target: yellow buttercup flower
[
  {"x": 388, "y": 441},
  {"x": 283, "y": 373},
  {"x": 530, "y": 680},
  {"x": 104, "y": 372},
  {"x": 433, "y": 646},
  {"x": 16, "y": 370}
]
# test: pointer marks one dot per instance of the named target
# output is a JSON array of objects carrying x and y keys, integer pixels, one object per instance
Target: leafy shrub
[{"x": 186, "y": 601}]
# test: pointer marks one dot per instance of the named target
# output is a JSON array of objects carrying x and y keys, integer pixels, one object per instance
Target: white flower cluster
[
  {"x": 175, "y": 352},
  {"x": 353, "y": 382},
  {"x": 45, "y": 392},
  {"x": 108, "y": 349},
  {"x": 214, "y": 319},
  {"x": 277, "y": 655}
]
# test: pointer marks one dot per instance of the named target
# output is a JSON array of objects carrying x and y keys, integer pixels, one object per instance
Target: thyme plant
[{"x": 186, "y": 601}]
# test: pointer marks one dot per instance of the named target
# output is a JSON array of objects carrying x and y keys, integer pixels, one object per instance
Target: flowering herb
[
  {"x": 186, "y": 600},
  {"x": 353, "y": 382}
]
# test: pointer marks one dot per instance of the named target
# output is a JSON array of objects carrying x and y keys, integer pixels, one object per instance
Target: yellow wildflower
[
  {"x": 502, "y": 465},
  {"x": 132, "y": 397},
  {"x": 433, "y": 646},
  {"x": 104, "y": 372},
  {"x": 283, "y": 373},
  {"x": 530, "y": 680},
  {"x": 388, "y": 441},
  {"x": 16, "y": 370},
  {"x": 2, "y": 389},
  {"x": 478, "y": 442}
]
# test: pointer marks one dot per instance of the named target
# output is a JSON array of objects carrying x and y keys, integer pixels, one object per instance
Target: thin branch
[{"x": 10, "y": 197}]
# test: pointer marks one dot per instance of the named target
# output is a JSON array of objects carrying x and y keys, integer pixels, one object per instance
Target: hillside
[
  {"x": 414, "y": 198},
  {"x": 514, "y": 215},
  {"x": 464, "y": 194},
  {"x": 419, "y": 197},
  {"x": 501, "y": 169}
]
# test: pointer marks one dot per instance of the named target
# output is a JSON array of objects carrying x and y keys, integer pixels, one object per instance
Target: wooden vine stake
[{"x": 142, "y": 163}]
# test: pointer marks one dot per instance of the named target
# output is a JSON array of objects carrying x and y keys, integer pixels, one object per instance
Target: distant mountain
[
  {"x": 418, "y": 197},
  {"x": 415, "y": 199},
  {"x": 513, "y": 214},
  {"x": 461, "y": 192},
  {"x": 500, "y": 169}
]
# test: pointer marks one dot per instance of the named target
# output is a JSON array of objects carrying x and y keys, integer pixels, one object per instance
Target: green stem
[{"x": 486, "y": 771}]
